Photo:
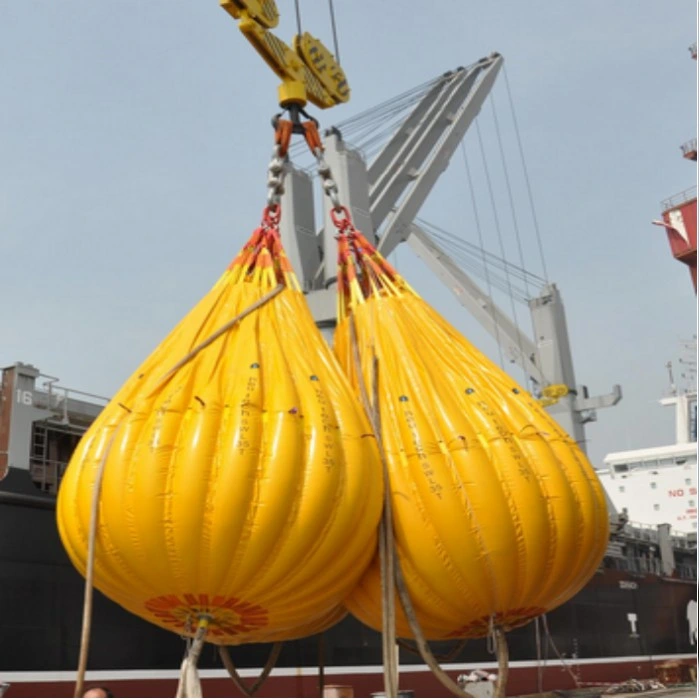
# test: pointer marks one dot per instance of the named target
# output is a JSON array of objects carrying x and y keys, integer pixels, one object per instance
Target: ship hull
[
  {"x": 619, "y": 626},
  {"x": 524, "y": 678}
]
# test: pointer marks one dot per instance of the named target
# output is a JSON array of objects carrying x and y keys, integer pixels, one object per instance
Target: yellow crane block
[{"x": 308, "y": 71}]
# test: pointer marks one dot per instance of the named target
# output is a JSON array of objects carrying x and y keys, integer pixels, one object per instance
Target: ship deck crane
[{"x": 387, "y": 195}]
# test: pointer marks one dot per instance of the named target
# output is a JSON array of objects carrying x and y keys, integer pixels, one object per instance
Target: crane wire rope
[
  {"x": 476, "y": 269},
  {"x": 368, "y": 128},
  {"x": 468, "y": 252},
  {"x": 298, "y": 15},
  {"x": 463, "y": 258},
  {"x": 335, "y": 31},
  {"x": 509, "y": 189},
  {"x": 527, "y": 176},
  {"x": 372, "y": 125},
  {"x": 481, "y": 245},
  {"x": 501, "y": 246}
]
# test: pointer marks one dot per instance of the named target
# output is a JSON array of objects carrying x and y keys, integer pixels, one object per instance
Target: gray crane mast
[{"x": 384, "y": 199}]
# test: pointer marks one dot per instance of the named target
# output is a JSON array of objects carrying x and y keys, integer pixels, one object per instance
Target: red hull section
[
  {"x": 525, "y": 678},
  {"x": 681, "y": 229}
]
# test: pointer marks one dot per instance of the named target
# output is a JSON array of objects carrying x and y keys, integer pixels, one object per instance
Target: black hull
[{"x": 617, "y": 616}]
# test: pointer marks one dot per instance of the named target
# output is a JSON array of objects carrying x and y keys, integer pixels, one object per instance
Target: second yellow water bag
[{"x": 498, "y": 515}]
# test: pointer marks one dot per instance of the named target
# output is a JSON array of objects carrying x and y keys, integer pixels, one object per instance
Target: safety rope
[
  {"x": 565, "y": 665},
  {"x": 502, "y": 658},
  {"x": 250, "y": 690},
  {"x": 538, "y": 648},
  {"x": 321, "y": 665},
  {"x": 189, "y": 673},
  {"x": 376, "y": 266},
  {"x": 386, "y": 541},
  {"x": 421, "y": 642},
  {"x": 90, "y": 566},
  {"x": 189, "y": 685},
  {"x": 218, "y": 333}
]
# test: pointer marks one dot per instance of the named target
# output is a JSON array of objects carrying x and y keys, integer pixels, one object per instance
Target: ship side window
[
  {"x": 680, "y": 460},
  {"x": 622, "y": 489},
  {"x": 653, "y": 484},
  {"x": 666, "y": 461},
  {"x": 687, "y": 482},
  {"x": 656, "y": 506},
  {"x": 691, "y": 503},
  {"x": 621, "y": 468}
]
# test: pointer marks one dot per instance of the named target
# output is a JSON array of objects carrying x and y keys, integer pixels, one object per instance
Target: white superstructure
[{"x": 657, "y": 485}]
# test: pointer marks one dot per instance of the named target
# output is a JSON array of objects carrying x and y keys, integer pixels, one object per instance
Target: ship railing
[
  {"x": 689, "y": 148},
  {"x": 649, "y": 565},
  {"x": 636, "y": 565},
  {"x": 641, "y": 531},
  {"x": 678, "y": 199},
  {"x": 684, "y": 540},
  {"x": 687, "y": 572},
  {"x": 58, "y": 399},
  {"x": 650, "y": 533}
]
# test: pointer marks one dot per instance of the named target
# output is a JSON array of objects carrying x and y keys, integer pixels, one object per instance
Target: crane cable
[
  {"x": 477, "y": 221},
  {"x": 516, "y": 228},
  {"x": 468, "y": 254},
  {"x": 335, "y": 32},
  {"x": 500, "y": 241},
  {"x": 336, "y": 47},
  {"x": 527, "y": 177},
  {"x": 298, "y": 14}
]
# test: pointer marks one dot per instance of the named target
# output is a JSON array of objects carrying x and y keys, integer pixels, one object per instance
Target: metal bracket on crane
[{"x": 309, "y": 71}]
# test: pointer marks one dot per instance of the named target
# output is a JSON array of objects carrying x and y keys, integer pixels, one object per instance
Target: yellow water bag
[
  {"x": 241, "y": 479},
  {"x": 498, "y": 515}
]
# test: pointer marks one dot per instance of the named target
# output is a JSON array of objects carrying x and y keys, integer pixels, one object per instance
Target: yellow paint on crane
[
  {"x": 498, "y": 515},
  {"x": 552, "y": 393},
  {"x": 245, "y": 485},
  {"x": 309, "y": 71}
]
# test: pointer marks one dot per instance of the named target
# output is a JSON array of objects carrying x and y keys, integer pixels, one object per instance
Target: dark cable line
[
  {"x": 481, "y": 244},
  {"x": 298, "y": 11},
  {"x": 335, "y": 32},
  {"x": 457, "y": 240},
  {"x": 500, "y": 238},
  {"x": 508, "y": 187},
  {"x": 527, "y": 177}
]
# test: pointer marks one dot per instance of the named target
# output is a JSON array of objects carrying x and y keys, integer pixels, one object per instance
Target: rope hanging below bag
[
  {"x": 189, "y": 685},
  {"x": 362, "y": 272},
  {"x": 249, "y": 691}
]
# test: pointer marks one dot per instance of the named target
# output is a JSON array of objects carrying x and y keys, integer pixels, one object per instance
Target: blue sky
[{"x": 134, "y": 139}]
